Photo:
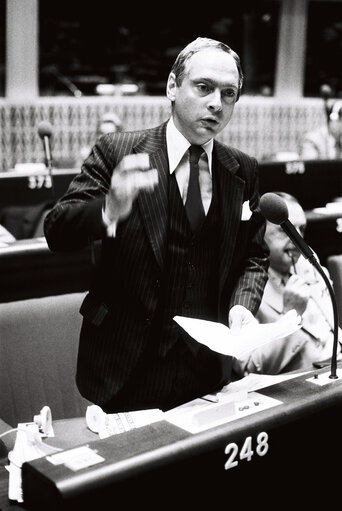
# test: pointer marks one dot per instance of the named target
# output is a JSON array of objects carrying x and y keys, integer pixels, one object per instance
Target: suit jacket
[{"x": 124, "y": 295}]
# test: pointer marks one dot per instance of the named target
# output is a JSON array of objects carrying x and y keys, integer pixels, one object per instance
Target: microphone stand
[{"x": 318, "y": 267}]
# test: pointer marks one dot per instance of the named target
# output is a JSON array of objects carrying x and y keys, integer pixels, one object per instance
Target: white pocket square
[{"x": 246, "y": 212}]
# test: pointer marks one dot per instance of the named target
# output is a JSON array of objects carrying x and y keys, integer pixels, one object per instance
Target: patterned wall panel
[{"x": 260, "y": 126}]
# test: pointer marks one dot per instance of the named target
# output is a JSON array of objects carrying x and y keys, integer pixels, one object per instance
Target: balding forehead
[{"x": 296, "y": 213}]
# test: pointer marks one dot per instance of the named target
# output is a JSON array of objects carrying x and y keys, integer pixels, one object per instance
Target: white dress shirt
[
  {"x": 177, "y": 150},
  {"x": 178, "y": 155}
]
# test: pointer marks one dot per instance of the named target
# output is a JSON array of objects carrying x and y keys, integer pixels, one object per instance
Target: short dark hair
[{"x": 202, "y": 43}]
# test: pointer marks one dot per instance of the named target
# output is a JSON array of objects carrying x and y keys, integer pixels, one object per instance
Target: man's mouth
[{"x": 210, "y": 121}]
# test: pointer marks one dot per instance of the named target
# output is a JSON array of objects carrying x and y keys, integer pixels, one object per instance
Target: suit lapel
[
  {"x": 231, "y": 191},
  {"x": 154, "y": 205}
]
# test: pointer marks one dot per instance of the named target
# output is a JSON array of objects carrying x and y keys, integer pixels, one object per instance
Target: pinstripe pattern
[{"x": 125, "y": 294}]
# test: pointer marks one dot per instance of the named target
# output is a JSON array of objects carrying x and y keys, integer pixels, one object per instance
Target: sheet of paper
[
  {"x": 108, "y": 424},
  {"x": 219, "y": 338},
  {"x": 254, "y": 381}
]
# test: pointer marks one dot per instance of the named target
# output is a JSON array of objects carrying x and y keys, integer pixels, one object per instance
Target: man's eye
[
  {"x": 229, "y": 93},
  {"x": 202, "y": 87}
]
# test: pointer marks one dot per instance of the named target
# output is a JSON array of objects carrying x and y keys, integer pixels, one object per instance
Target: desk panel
[
  {"x": 28, "y": 269},
  {"x": 313, "y": 182},
  {"x": 324, "y": 234},
  {"x": 164, "y": 464},
  {"x": 24, "y": 189},
  {"x": 36, "y": 272}
]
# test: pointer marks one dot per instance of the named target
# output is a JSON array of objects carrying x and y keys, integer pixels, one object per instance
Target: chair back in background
[{"x": 38, "y": 353}]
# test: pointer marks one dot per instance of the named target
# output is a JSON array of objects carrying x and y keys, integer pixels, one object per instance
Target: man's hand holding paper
[{"x": 218, "y": 337}]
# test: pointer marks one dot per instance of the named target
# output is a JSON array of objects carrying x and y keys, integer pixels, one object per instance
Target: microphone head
[
  {"x": 274, "y": 208},
  {"x": 44, "y": 129}
]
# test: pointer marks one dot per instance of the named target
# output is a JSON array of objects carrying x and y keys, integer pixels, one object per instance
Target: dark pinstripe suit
[{"x": 124, "y": 297}]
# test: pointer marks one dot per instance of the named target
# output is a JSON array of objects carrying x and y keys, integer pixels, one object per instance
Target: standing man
[{"x": 166, "y": 250}]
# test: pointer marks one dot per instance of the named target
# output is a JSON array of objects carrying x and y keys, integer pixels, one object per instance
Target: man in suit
[
  {"x": 293, "y": 284},
  {"x": 132, "y": 193}
]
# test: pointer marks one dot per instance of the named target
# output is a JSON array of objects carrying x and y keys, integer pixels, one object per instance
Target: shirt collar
[{"x": 177, "y": 145}]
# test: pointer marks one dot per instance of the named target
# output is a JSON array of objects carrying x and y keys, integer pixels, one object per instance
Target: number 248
[{"x": 246, "y": 451}]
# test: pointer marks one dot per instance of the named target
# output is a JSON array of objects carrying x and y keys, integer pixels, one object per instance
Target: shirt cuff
[{"x": 111, "y": 226}]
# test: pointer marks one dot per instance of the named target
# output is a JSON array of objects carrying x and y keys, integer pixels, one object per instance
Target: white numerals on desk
[
  {"x": 246, "y": 451},
  {"x": 40, "y": 181}
]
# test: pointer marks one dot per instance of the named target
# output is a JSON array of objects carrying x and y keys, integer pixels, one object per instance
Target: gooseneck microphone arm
[
  {"x": 318, "y": 267},
  {"x": 298, "y": 241},
  {"x": 274, "y": 209}
]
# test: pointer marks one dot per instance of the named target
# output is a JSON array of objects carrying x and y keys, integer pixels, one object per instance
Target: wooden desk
[
  {"x": 162, "y": 465},
  {"x": 324, "y": 233},
  {"x": 28, "y": 269},
  {"x": 32, "y": 187}
]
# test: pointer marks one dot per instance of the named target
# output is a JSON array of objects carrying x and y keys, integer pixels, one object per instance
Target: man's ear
[{"x": 171, "y": 87}]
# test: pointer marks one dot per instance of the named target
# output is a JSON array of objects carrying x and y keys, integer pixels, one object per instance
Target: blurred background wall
[{"x": 70, "y": 62}]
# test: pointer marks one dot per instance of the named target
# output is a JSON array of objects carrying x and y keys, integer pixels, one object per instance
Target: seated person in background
[
  {"x": 108, "y": 123},
  {"x": 293, "y": 284},
  {"x": 325, "y": 142}
]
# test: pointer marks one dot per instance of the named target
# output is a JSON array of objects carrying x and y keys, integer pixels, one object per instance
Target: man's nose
[{"x": 215, "y": 101}]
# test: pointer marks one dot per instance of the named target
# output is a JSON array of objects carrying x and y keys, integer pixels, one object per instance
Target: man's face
[
  {"x": 205, "y": 100},
  {"x": 282, "y": 251}
]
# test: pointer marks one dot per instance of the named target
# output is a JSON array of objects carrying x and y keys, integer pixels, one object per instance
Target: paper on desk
[
  {"x": 108, "y": 424},
  {"x": 219, "y": 338},
  {"x": 256, "y": 381}
]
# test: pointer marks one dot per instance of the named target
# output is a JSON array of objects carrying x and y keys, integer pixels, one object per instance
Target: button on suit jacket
[{"x": 123, "y": 298}]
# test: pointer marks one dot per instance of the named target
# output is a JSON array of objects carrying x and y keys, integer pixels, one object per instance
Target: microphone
[
  {"x": 45, "y": 132},
  {"x": 275, "y": 210}
]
